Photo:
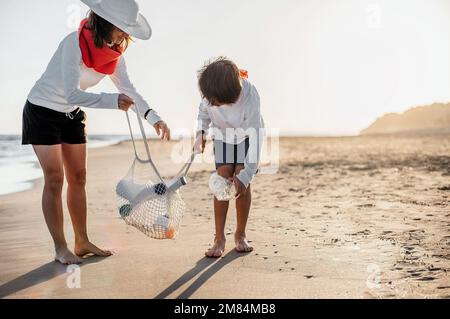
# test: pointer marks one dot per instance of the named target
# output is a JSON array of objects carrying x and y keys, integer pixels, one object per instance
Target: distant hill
[{"x": 431, "y": 118}]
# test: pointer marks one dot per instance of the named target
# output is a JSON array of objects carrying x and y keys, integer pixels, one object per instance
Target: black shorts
[
  {"x": 230, "y": 154},
  {"x": 43, "y": 126}
]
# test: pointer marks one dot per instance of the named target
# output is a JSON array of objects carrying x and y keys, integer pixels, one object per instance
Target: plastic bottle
[
  {"x": 125, "y": 210},
  {"x": 221, "y": 187},
  {"x": 161, "y": 226},
  {"x": 176, "y": 184}
]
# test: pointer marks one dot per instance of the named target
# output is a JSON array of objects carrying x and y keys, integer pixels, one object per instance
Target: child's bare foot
[
  {"x": 86, "y": 247},
  {"x": 242, "y": 245},
  {"x": 217, "y": 249},
  {"x": 66, "y": 257}
]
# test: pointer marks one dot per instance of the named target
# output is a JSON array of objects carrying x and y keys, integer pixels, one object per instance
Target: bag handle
[
  {"x": 184, "y": 169},
  {"x": 144, "y": 136}
]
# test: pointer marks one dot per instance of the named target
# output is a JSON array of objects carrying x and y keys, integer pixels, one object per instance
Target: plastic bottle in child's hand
[{"x": 221, "y": 187}]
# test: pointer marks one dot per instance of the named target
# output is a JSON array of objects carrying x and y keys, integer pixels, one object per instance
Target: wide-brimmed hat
[{"x": 124, "y": 14}]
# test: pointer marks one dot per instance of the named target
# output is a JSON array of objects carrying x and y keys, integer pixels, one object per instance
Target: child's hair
[{"x": 219, "y": 81}]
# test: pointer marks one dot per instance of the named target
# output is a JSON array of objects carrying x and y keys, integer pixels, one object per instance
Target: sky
[{"x": 322, "y": 67}]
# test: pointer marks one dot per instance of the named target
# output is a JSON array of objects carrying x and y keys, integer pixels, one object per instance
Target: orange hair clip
[{"x": 243, "y": 74}]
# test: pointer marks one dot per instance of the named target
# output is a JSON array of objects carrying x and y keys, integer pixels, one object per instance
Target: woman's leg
[
  {"x": 243, "y": 204},
  {"x": 50, "y": 158},
  {"x": 220, "y": 217},
  {"x": 74, "y": 158}
]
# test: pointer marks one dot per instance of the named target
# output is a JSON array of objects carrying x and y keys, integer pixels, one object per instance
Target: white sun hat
[{"x": 124, "y": 14}]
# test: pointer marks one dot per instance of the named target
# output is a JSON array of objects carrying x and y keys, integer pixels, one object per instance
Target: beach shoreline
[
  {"x": 19, "y": 165},
  {"x": 357, "y": 217}
]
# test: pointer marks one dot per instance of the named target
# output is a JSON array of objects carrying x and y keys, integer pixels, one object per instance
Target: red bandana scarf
[{"x": 102, "y": 60}]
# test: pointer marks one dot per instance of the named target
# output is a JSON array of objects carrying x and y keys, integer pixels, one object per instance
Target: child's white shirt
[{"x": 233, "y": 123}]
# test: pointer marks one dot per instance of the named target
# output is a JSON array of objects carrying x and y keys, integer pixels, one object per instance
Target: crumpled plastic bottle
[
  {"x": 162, "y": 226},
  {"x": 221, "y": 187}
]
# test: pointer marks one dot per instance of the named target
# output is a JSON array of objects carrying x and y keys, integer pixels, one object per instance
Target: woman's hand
[
  {"x": 125, "y": 102},
  {"x": 199, "y": 145},
  {"x": 162, "y": 130}
]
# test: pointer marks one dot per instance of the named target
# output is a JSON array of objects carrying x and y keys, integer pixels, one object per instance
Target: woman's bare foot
[
  {"x": 88, "y": 248},
  {"x": 66, "y": 257},
  {"x": 217, "y": 249},
  {"x": 242, "y": 245}
]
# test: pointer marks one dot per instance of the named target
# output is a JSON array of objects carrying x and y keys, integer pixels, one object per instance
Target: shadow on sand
[
  {"x": 39, "y": 275},
  {"x": 214, "y": 266}
]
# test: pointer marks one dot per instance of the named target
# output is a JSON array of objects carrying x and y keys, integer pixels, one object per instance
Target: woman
[{"x": 54, "y": 124}]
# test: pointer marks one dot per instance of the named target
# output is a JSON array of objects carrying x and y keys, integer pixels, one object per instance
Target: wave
[{"x": 19, "y": 166}]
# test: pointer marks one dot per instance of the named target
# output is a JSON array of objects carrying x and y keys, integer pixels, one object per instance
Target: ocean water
[{"x": 19, "y": 166}]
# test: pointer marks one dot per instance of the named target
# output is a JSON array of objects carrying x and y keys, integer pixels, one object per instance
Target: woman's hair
[
  {"x": 219, "y": 81},
  {"x": 101, "y": 30}
]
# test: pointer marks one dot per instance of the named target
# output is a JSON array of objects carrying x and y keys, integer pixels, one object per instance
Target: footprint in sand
[
  {"x": 427, "y": 278},
  {"x": 415, "y": 274},
  {"x": 365, "y": 205}
]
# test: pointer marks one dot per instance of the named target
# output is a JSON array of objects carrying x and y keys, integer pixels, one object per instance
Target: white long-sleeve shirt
[
  {"x": 62, "y": 86},
  {"x": 233, "y": 123}
]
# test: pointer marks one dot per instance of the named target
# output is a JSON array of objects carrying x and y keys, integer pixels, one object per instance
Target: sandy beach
[{"x": 357, "y": 217}]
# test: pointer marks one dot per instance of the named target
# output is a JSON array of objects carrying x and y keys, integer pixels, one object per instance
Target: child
[{"x": 231, "y": 106}]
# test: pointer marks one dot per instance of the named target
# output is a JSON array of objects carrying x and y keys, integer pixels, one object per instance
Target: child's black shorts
[
  {"x": 43, "y": 126},
  {"x": 230, "y": 154}
]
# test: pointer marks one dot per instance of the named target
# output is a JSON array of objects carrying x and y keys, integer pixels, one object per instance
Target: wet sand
[{"x": 360, "y": 217}]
